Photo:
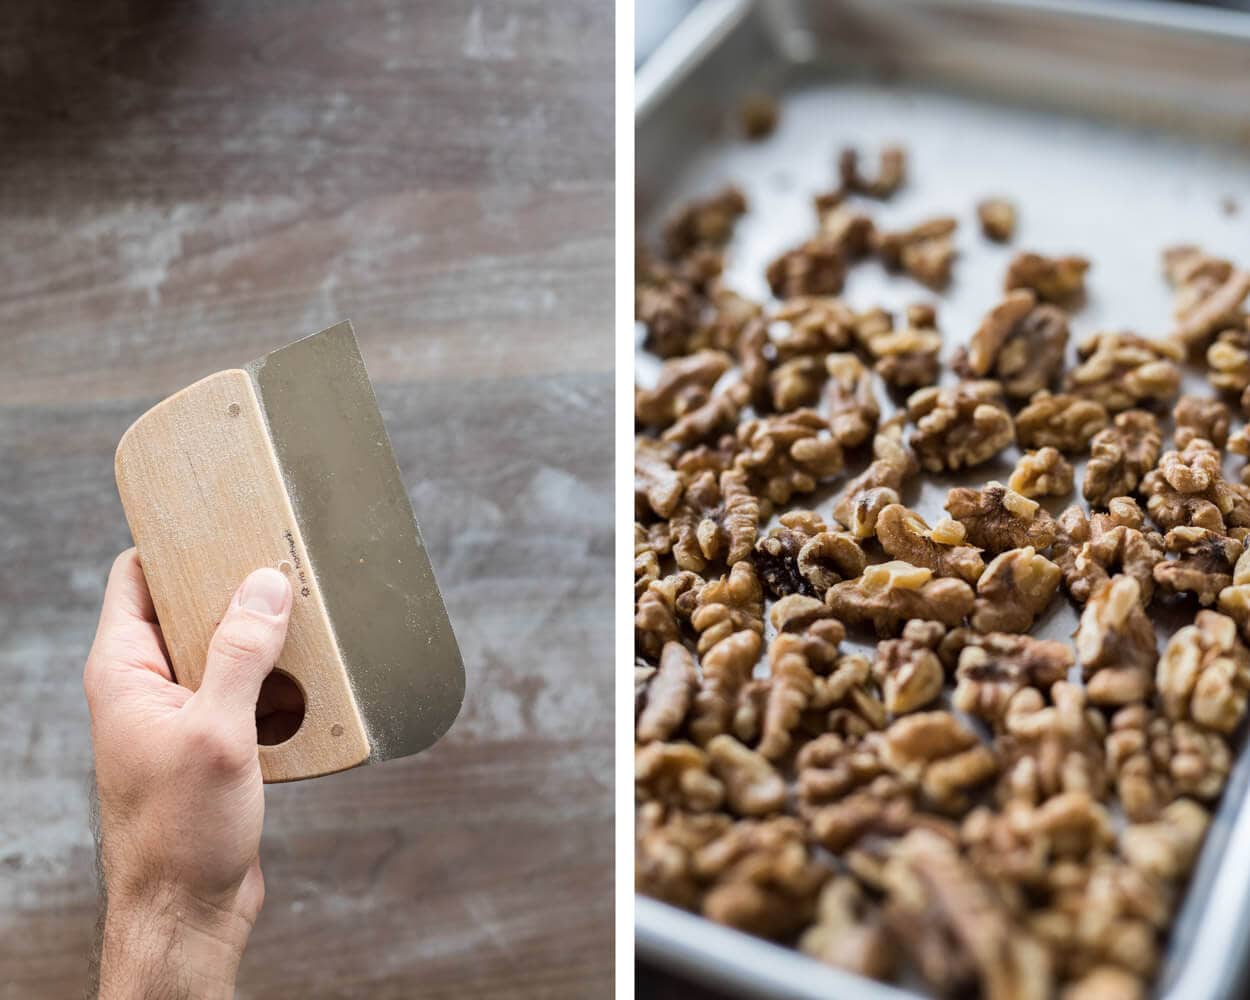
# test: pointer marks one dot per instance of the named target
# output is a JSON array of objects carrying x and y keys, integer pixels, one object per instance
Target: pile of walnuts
[{"x": 847, "y": 741}]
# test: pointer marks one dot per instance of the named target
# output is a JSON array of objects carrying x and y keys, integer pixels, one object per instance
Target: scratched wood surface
[{"x": 184, "y": 186}]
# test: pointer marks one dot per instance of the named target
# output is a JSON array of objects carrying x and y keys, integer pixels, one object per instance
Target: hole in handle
[{"x": 279, "y": 709}]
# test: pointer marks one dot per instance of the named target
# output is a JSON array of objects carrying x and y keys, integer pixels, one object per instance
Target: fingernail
[{"x": 265, "y": 590}]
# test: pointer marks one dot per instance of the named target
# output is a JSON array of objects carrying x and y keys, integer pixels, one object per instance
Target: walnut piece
[
  {"x": 752, "y": 786},
  {"x": 907, "y": 669},
  {"x": 847, "y": 933},
  {"x": 1115, "y": 643},
  {"x": 726, "y": 668},
  {"x": 889, "y": 594},
  {"x": 849, "y": 400},
  {"x": 803, "y": 556},
  {"x": 998, "y": 219},
  {"x": 665, "y": 843},
  {"x": 1205, "y": 564},
  {"x": 804, "y": 650},
  {"x": 715, "y": 520},
  {"x": 959, "y": 427},
  {"x": 676, "y": 774},
  {"x": 706, "y": 421},
  {"x": 1019, "y": 343},
  {"x": 907, "y": 357},
  {"x": 726, "y": 605},
  {"x": 878, "y": 486},
  {"x": 1053, "y": 279},
  {"x": 1229, "y": 359},
  {"x": 890, "y": 173},
  {"x": 660, "y": 610},
  {"x": 1015, "y": 588},
  {"x": 1062, "y": 421},
  {"x": 1204, "y": 674},
  {"x": 938, "y": 756},
  {"x": 657, "y": 486},
  {"x": 816, "y": 266},
  {"x": 904, "y": 535},
  {"x": 1188, "y": 488},
  {"x": 1155, "y": 760},
  {"x": 758, "y": 115},
  {"x": 1167, "y": 847},
  {"x": 1091, "y": 551},
  {"x": 1123, "y": 370},
  {"x": 1209, "y": 294},
  {"x": 1042, "y": 473},
  {"x": 994, "y": 667},
  {"x": 1050, "y": 750},
  {"x": 1198, "y": 417},
  {"x": 683, "y": 384},
  {"x": 787, "y": 454},
  {"x": 924, "y": 251},
  {"x": 1120, "y": 455},
  {"x": 997, "y": 519},
  {"x": 704, "y": 222},
  {"x": 668, "y": 695}
]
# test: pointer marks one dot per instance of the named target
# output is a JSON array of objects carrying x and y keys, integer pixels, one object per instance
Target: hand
[{"x": 180, "y": 794}]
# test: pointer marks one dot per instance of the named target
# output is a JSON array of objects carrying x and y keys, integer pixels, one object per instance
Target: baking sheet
[{"x": 1115, "y": 189}]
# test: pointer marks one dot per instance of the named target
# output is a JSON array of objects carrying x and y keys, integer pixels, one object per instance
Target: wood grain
[{"x": 186, "y": 186}]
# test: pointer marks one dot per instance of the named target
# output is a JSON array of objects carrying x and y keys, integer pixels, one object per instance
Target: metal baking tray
[{"x": 1118, "y": 128}]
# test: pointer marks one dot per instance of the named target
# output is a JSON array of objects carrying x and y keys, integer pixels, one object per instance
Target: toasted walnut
[
  {"x": 1043, "y": 473},
  {"x": 908, "y": 670},
  {"x": 1062, "y": 421},
  {"x": 676, "y": 774},
  {"x": 832, "y": 766},
  {"x": 1188, "y": 488},
  {"x": 657, "y": 486},
  {"x": 1209, "y": 294},
  {"x": 938, "y": 756},
  {"x": 1019, "y": 343},
  {"x": 1123, "y": 370},
  {"x": 1166, "y": 848},
  {"x": 905, "y": 358},
  {"x": 787, "y": 454},
  {"x": 665, "y": 843},
  {"x": 1120, "y": 455},
  {"x": 889, "y": 594},
  {"x": 878, "y": 486},
  {"x": 998, "y": 519},
  {"x": 1205, "y": 563},
  {"x": 1015, "y": 588},
  {"x": 1197, "y": 417},
  {"x": 752, "y": 786},
  {"x": 924, "y": 251},
  {"x": 846, "y": 701},
  {"x": 796, "y": 382},
  {"x": 715, "y": 520},
  {"x": 1229, "y": 359},
  {"x": 1115, "y": 643},
  {"x": 890, "y": 173},
  {"x": 1234, "y": 600},
  {"x": 905, "y": 535},
  {"x": 649, "y": 544},
  {"x": 849, "y": 228},
  {"x": 729, "y": 316},
  {"x": 815, "y": 267},
  {"x": 998, "y": 219},
  {"x": 821, "y": 324},
  {"x": 670, "y": 304},
  {"x": 1204, "y": 673},
  {"x": 849, "y": 400},
  {"x": 661, "y": 608},
  {"x": 727, "y": 605},
  {"x": 1105, "y": 982},
  {"x": 847, "y": 933},
  {"x": 763, "y": 878},
  {"x": 802, "y": 556},
  {"x": 959, "y": 427},
  {"x": 683, "y": 384},
  {"x": 705, "y": 422},
  {"x": 758, "y": 115},
  {"x": 1054, "y": 279},
  {"x": 704, "y": 222},
  {"x": 669, "y": 693},
  {"x": 1051, "y": 749},
  {"x": 1091, "y": 551},
  {"x": 954, "y": 927},
  {"x": 726, "y": 668},
  {"x": 993, "y": 667},
  {"x": 797, "y": 658},
  {"x": 1155, "y": 760}
]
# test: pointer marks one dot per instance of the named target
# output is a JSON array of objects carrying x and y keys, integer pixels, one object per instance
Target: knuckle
[
  {"x": 242, "y": 641},
  {"x": 211, "y": 746}
]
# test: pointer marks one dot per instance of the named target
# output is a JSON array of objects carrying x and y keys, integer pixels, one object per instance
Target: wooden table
[{"x": 186, "y": 186}]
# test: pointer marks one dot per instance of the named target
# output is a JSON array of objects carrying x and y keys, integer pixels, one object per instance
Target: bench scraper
[{"x": 286, "y": 463}]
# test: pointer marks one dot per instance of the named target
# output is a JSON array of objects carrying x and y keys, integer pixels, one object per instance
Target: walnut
[
  {"x": 1234, "y": 600},
  {"x": 847, "y": 933},
  {"x": 1062, "y": 421},
  {"x": 1105, "y": 982},
  {"x": 849, "y": 400},
  {"x": 993, "y": 667},
  {"x": 851, "y": 230},
  {"x": 676, "y": 774},
  {"x": 1051, "y": 749},
  {"x": 669, "y": 304},
  {"x": 815, "y": 267},
  {"x": 1107, "y": 544},
  {"x": 715, "y": 520},
  {"x": 822, "y": 324},
  {"x": 1155, "y": 760},
  {"x": 788, "y": 453},
  {"x": 954, "y": 927},
  {"x": 665, "y": 844},
  {"x": 878, "y": 486},
  {"x": 1197, "y": 417},
  {"x": 889, "y": 594},
  {"x": 1115, "y": 643},
  {"x": 661, "y": 608},
  {"x": 890, "y": 173},
  {"x": 726, "y": 669},
  {"x": 1167, "y": 847},
  {"x": 998, "y": 219},
  {"x": 1209, "y": 294},
  {"x": 706, "y": 421},
  {"x": 704, "y": 222},
  {"x": 1015, "y": 588},
  {"x": 845, "y": 701},
  {"x": 758, "y": 115},
  {"x": 1204, "y": 674},
  {"x": 802, "y": 556},
  {"x": 959, "y": 427},
  {"x": 1120, "y": 455},
  {"x": 657, "y": 486},
  {"x": 796, "y": 658},
  {"x": 905, "y": 535},
  {"x": 937, "y": 755},
  {"x": 1205, "y": 566},
  {"x": 1019, "y": 343},
  {"x": 832, "y": 766},
  {"x": 669, "y": 693},
  {"x": 1229, "y": 359},
  {"x": 727, "y": 605},
  {"x": 908, "y": 670},
  {"x": 904, "y": 358},
  {"x": 683, "y": 384},
  {"x": 1042, "y": 473},
  {"x": 998, "y": 519},
  {"x": 1054, "y": 279},
  {"x": 650, "y": 542},
  {"x": 924, "y": 251},
  {"x": 752, "y": 786},
  {"x": 796, "y": 382},
  {"x": 1188, "y": 488},
  {"x": 763, "y": 878},
  {"x": 1123, "y": 370}
]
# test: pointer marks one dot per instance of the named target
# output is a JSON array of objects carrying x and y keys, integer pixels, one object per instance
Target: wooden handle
[{"x": 205, "y": 499}]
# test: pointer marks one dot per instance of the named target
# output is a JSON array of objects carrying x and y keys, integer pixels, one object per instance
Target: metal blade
[{"x": 362, "y": 539}]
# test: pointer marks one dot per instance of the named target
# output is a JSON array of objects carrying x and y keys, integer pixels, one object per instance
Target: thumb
[{"x": 246, "y": 645}]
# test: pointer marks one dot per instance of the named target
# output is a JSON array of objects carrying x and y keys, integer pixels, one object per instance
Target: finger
[
  {"x": 126, "y": 597},
  {"x": 247, "y": 643},
  {"x": 127, "y": 636}
]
